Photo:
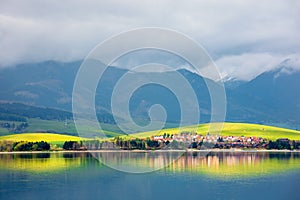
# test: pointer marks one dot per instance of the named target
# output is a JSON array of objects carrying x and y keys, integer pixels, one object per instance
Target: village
[{"x": 194, "y": 140}]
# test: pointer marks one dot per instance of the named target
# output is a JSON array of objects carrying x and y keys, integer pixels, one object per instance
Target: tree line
[
  {"x": 150, "y": 144},
  {"x": 135, "y": 144},
  {"x": 24, "y": 146}
]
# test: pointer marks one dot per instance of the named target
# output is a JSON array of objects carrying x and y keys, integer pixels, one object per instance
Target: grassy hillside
[
  {"x": 232, "y": 129},
  {"x": 229, "y": 129},
  {"x": 110, "y": 130},
  {"x": 35, "y": 137},
  {"x": 21, "y": 118},
  {"x": 63, "y": 127}
]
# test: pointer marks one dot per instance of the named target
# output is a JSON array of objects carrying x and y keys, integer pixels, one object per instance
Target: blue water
[{"x": 89, "y": 179}]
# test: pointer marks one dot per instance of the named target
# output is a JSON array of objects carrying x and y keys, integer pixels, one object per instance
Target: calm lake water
[{"x": 228, "y": 175}]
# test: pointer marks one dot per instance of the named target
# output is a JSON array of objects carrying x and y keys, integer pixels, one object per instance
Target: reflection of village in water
[
  {"x": 230, "y": 163},
  {"x": 220, "y": 163},
  {"x": 214, "y": 163}
]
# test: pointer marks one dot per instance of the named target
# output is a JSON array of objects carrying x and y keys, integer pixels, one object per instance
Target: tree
[
  {"x": 22, "y": 146},
  {"x": 279, "y": 144},
  {"x": 133, "y": 144},
  {"x": 31, "y": 146},
  {"x": 71, "y": 145},
  {"x": 6, "y": 145},
  {"x": 43, "y": 146},
  {"x": 152, "y": 144},
  {"x": 35, "y": 147}
]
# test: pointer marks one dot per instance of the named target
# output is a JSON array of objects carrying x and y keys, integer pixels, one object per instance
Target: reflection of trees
[
  {"x": 137, "y": 160},
  {"x": 41, "y": 162}
]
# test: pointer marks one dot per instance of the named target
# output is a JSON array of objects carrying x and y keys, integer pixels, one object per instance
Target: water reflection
[
  {"x": 226, "y": 164},
  {"x": 42, "y": 162},
  {"x": 137, "y": 162},
  {"x": 230, "y": 164}
]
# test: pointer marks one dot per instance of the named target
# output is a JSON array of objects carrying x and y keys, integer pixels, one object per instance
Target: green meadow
[
  {"x": 230, "y": 129},
  {"x": 67, "y": 128}
]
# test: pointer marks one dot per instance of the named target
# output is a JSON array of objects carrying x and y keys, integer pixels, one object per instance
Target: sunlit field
[
  {"x": 36, "y": 137},
  {"x": 231, "y": 129}
]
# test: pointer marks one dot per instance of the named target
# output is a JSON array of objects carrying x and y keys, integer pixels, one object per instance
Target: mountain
[
  {"x": 275, "y": 93},
  {"x": 270, "y": 98},
  {"x": 22, "y": 111},
  {"x": 46, "y": 84},
  {"x": 50, "y": 84}
]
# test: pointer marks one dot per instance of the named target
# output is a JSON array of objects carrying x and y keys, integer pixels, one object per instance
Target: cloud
[
  {"x": 26, "y": 94},
  {"x": 247, "y": 66},
  {"x": 35, "y": 31}
]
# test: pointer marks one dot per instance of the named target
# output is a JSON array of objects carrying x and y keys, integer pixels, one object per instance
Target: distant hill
[
  {"x": 27, "y": 111},
  {"x": 19, "y": 112},
  {"x": 47, "y": 84},
  {"x": 20, "y": 118}
]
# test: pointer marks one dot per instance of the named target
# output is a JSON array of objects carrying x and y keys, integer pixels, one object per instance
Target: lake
[{"x": 169, "y": 175}]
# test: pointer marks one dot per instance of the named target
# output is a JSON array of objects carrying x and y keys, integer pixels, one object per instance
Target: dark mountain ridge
[{"x": 272, "y": 97}]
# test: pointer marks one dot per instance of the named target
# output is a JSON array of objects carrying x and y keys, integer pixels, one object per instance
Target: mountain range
[{"x": 270, "y": 98}]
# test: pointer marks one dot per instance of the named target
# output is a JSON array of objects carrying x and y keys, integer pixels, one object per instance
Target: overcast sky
[{"x": 245, "y": 39}]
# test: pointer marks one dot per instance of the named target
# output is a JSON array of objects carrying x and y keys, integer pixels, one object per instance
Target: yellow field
[
  {"x": 36, "y": 137},
  {"x": 38, "y": 165},
  {"x": 231, "y": 129}
]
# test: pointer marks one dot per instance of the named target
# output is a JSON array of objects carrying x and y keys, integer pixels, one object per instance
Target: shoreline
[{"x": 156, "y": 151}]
